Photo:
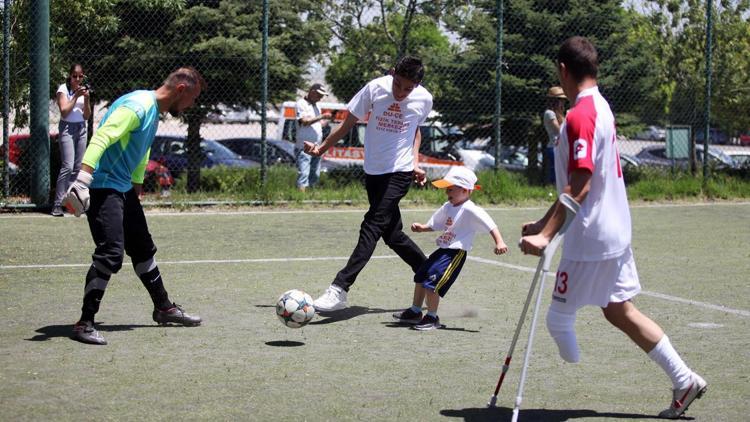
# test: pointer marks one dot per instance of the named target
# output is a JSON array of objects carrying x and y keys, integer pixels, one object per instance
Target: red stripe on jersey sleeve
[{"x": 580, "y": 127}]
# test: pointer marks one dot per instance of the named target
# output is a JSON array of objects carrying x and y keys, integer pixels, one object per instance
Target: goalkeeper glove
[{"x": 76, "y": 200}]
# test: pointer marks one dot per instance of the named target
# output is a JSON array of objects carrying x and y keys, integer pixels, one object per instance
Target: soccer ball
[{"x": 295, "y": 308}]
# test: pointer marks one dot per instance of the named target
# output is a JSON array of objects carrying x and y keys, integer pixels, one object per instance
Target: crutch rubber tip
[{"x": 493, "y": 401}]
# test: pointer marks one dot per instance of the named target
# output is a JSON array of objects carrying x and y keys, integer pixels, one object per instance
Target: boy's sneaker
[
  {"x": 57, "y": 211},
  {"x": 85, "y": 332},
  {"x": 681, "y": 399},
  {"x": 407, "y": 316},
  {"x": 175, "y": 315},
  {"x": 333, "y": 299},
  {"x": 428, "y": 323}
]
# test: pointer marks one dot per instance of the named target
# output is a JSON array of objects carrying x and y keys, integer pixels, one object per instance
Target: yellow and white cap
[{"x": 458, "y": 176}]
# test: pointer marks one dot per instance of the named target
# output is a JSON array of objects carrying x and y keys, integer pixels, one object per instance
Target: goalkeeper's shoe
[
  {"x": 85, "y": 332},
  {"x": 681, "y": 399},
  {"x": 175, "y": 315}
]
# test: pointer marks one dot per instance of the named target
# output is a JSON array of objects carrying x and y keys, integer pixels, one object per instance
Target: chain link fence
[{"x": 653, "y": 71}]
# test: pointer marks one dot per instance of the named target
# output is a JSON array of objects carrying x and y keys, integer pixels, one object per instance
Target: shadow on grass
[
  {"x": 52, "y": 331},
  {"x": 481, "y": 414},
  {"x": 285, "y": 343},
  {"x": 442, "y": 327},
  {"x": 348, "y": 313}
]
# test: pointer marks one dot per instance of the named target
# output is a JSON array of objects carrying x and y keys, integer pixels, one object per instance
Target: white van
[{"x": 435, "y": 157}]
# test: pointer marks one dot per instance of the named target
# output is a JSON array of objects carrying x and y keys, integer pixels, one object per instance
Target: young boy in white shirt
[{"x": 459, "y": 219}]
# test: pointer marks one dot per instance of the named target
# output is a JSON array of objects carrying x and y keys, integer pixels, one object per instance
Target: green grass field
[{"x": 243, "y": 364}]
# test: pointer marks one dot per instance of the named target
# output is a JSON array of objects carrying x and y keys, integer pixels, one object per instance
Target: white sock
[
  {"x": 415, "y": 309},
  {"x": 666, "y": 356}
]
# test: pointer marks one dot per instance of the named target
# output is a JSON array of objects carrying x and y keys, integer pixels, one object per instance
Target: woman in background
[{"x": 73, "y": 100}]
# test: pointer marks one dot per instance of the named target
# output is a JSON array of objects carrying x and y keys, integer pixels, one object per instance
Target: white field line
[
  {"x": 343, "y": 258},
  {"x": 643, "y": 292},
  {"x": 199, "y": 261},
  {"x": 157, "y": 213}
]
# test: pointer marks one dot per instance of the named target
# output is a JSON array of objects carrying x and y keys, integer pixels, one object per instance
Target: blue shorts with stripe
[{"x": 440, "y": 270}]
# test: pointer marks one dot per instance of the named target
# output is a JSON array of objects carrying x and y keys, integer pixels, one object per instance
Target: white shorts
[{"x": 581, "y": 283}]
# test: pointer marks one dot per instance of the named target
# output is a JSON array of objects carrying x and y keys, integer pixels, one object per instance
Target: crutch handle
[{"x": 571, "y": 209}]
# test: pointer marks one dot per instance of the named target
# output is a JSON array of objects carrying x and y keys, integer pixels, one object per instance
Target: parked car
[
  {"x": 170, "y": 151},
  {"x": 653, "y": 133},
  {"x": 228, "y": 114},
  {"x": 21, "y": 153},
  {"x": 515, "y": 158},
  {"x": 741, "y": 158},
  {"x": 629, "y": 161},
  {"x": 715, "y": 136},
  {"x": 158, "y": 178},
  {"x": 19, "y": 144},
  {"x": 656, "y": 155},
  {"x": 745, "y": 139},
  {"x": 278, "y": 151}
]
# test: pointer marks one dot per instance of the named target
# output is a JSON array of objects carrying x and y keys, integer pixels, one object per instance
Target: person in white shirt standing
[
  {"x": 597, "y": 266},
  {"x": 552, "y": 119},
  {"x": 397, "y": 104},
  {"x": 459, "y": 219},
  {"x": 309, "y": 128},
  {"x": 73, "y": 101}
]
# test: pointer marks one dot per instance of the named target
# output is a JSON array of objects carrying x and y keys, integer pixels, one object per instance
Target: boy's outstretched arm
[{"x": 500, "y": 246}]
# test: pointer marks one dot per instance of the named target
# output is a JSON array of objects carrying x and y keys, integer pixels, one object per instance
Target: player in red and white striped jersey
[{"x": 597, "y": 266}]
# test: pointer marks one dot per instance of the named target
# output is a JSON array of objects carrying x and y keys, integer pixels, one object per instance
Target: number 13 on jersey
[{"x": 561, "y": 282}]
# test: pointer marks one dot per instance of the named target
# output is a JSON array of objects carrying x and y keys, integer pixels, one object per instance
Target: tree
[
  {"x": 69, "y": 43},
  {"x": 372, "y": 34},
  {"x": 130, "y": 44},
  {"x": 533, "y": 31},
  {"x": 676, "y": 30},
  {"x": 223, "y": 40}
]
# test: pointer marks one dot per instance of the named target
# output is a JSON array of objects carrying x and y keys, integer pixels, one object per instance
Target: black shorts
[{"x": 440, "y": 270}]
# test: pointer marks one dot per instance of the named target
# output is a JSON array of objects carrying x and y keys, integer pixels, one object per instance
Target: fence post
[
  {"x": 707, "y": 100},
  {"x": 498, "y": 81},
  {"x": 6, "y": 99},
  {"x": 39, "y": 102},
  {"x": 264, "y": 98}
]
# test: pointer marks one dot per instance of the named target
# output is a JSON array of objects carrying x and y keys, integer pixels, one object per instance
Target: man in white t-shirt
[
  {"x": 597, "y": 266},
  {"x": 397, "y": 104},
  {"x": 309, "y": 128}
]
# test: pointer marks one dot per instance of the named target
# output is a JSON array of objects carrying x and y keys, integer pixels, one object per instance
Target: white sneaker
[
  {"x": 681, "y": 399},
  {"x": 332, "y": 300}
]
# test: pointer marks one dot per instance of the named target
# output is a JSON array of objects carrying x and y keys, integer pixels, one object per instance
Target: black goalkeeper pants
[{"x": 118, "y": 225}]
